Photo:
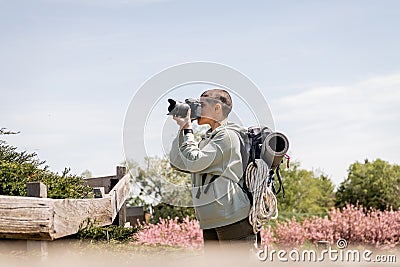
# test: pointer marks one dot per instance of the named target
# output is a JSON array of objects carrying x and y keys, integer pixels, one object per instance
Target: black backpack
[{"x": 256, "y": 136}]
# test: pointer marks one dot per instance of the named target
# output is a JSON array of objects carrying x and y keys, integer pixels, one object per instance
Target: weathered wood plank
[
  {"x": 48, "y": 219},
  {"x": 119, "y": 194},
  {"x": 70, "y": 213},
  {"x": 100, "y": 182},
  {"x": 120, "y": 172},
  {"x": 30, "y": 218}
]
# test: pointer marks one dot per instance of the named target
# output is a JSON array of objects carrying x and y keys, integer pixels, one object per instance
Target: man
[{"x": 216, "y": 167}]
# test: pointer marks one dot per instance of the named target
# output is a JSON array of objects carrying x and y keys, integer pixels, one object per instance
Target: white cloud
[{"x": 332, "y": 127}]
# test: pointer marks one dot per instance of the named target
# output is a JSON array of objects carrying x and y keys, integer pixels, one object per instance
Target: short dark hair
[{"x": 222, "y": 96}]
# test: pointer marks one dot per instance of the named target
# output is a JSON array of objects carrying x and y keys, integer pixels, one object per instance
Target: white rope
[{"x": 265, "y": 204}]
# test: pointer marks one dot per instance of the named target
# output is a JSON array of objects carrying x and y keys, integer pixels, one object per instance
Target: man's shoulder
[
  {"x": 232, "y": 126},
  {"x": 231, "y": 131},
  {"x": 239, "y": 130}
]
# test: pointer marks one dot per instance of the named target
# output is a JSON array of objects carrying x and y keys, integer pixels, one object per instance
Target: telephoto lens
[
  {"x": 177, "y": 108},
  {"x": 180, "y": 109}
]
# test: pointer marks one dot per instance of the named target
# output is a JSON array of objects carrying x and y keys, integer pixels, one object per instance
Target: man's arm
[
  {"x": 175, "y": 156},
  {"x": 196, "y": 159},
  {"x": 185, "y": 154}
]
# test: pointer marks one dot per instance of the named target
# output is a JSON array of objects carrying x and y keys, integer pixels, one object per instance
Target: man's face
[{"x": 208, "y": 112}]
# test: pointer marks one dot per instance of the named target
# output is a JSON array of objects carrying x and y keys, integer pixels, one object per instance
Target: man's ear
[{"x": 218, "y": 107}]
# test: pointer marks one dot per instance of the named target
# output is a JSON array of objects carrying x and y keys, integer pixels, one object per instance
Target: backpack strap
[
  {"x": 271, "y": 181},
  {"x": 245, "y": 161},
  {"x": 278, "y": 174},
  {"x": 209, "y": 183},
  {"x": 246, "y": 158},
  {"x": 247, "y": 192},
  {"x": 203, "y": 182}
]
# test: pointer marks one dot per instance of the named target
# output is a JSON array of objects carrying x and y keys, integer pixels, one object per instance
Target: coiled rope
[{"x": 265, "y": 204}]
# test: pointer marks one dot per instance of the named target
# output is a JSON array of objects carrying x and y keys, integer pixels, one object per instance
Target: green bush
[
  {"x": 89, "y": 230},
  {"x": 305, "y": 192},
  {"x": 18, "y": 168},
  {"x": 373, "y": 184}
]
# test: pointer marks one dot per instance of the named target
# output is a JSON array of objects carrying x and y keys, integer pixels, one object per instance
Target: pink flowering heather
[
  {"x": 353, "y": 223},
  {"x": 290, "y": 233},
  {"x": 267, "y": 236},
  {"x": 171, "y": 233}
]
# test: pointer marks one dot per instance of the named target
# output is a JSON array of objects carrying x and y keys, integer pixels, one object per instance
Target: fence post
[
  {"x": 36, "y": 189},
  {"x": 120, "y": 219}
]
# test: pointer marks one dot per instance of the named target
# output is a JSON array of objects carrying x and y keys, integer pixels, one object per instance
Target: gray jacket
[{"x": 217, "y": 158}]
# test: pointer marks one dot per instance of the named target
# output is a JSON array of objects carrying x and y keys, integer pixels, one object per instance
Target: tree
[
  {"x": 87, "y": 174},
  {"x": 305, "y": 192},
  {"x": 169, "y": 189},
  {"x": 161, "y": 182},
  {"x": 372, "y": 184}
]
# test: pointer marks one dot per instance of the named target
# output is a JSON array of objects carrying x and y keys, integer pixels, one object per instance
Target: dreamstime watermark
[{"x": 341, "y": 254}]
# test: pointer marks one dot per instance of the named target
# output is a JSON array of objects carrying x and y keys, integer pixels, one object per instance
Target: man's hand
[{"x": 184, "y": 123}]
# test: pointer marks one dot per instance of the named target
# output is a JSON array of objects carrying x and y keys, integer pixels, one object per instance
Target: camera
[{"x": 180, "y": 109}]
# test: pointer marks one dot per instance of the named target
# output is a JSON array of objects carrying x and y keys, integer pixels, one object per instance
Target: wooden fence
[{"x": 41, "y": 218}]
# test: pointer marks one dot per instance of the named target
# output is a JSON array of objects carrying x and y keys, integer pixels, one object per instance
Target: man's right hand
[{"x": 184, "y": 123}]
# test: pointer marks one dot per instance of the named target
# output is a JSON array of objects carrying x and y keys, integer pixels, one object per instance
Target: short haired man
[{"x": 216, "y": 167}]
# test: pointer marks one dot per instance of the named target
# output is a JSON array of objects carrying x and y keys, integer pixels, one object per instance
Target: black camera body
[{"x": 180, "y": 109}]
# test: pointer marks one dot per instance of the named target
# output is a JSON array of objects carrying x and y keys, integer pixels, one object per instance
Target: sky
[{"x": 330, "y": 71}]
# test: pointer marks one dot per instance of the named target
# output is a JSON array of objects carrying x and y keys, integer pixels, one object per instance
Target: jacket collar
[{"x": 223, "y": 124}]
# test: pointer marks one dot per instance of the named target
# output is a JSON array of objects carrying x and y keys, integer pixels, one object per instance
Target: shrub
[
  {"x": 373, "y": 184},
  {"x": 353, "y": 223},
  {"x": 171, "y": 233},
  {"x": 18, "y": 168},
  {"x": 90, "y": 230}
]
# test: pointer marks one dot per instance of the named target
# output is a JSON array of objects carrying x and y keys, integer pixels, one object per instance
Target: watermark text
[{"x": 341, "y": 254}]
